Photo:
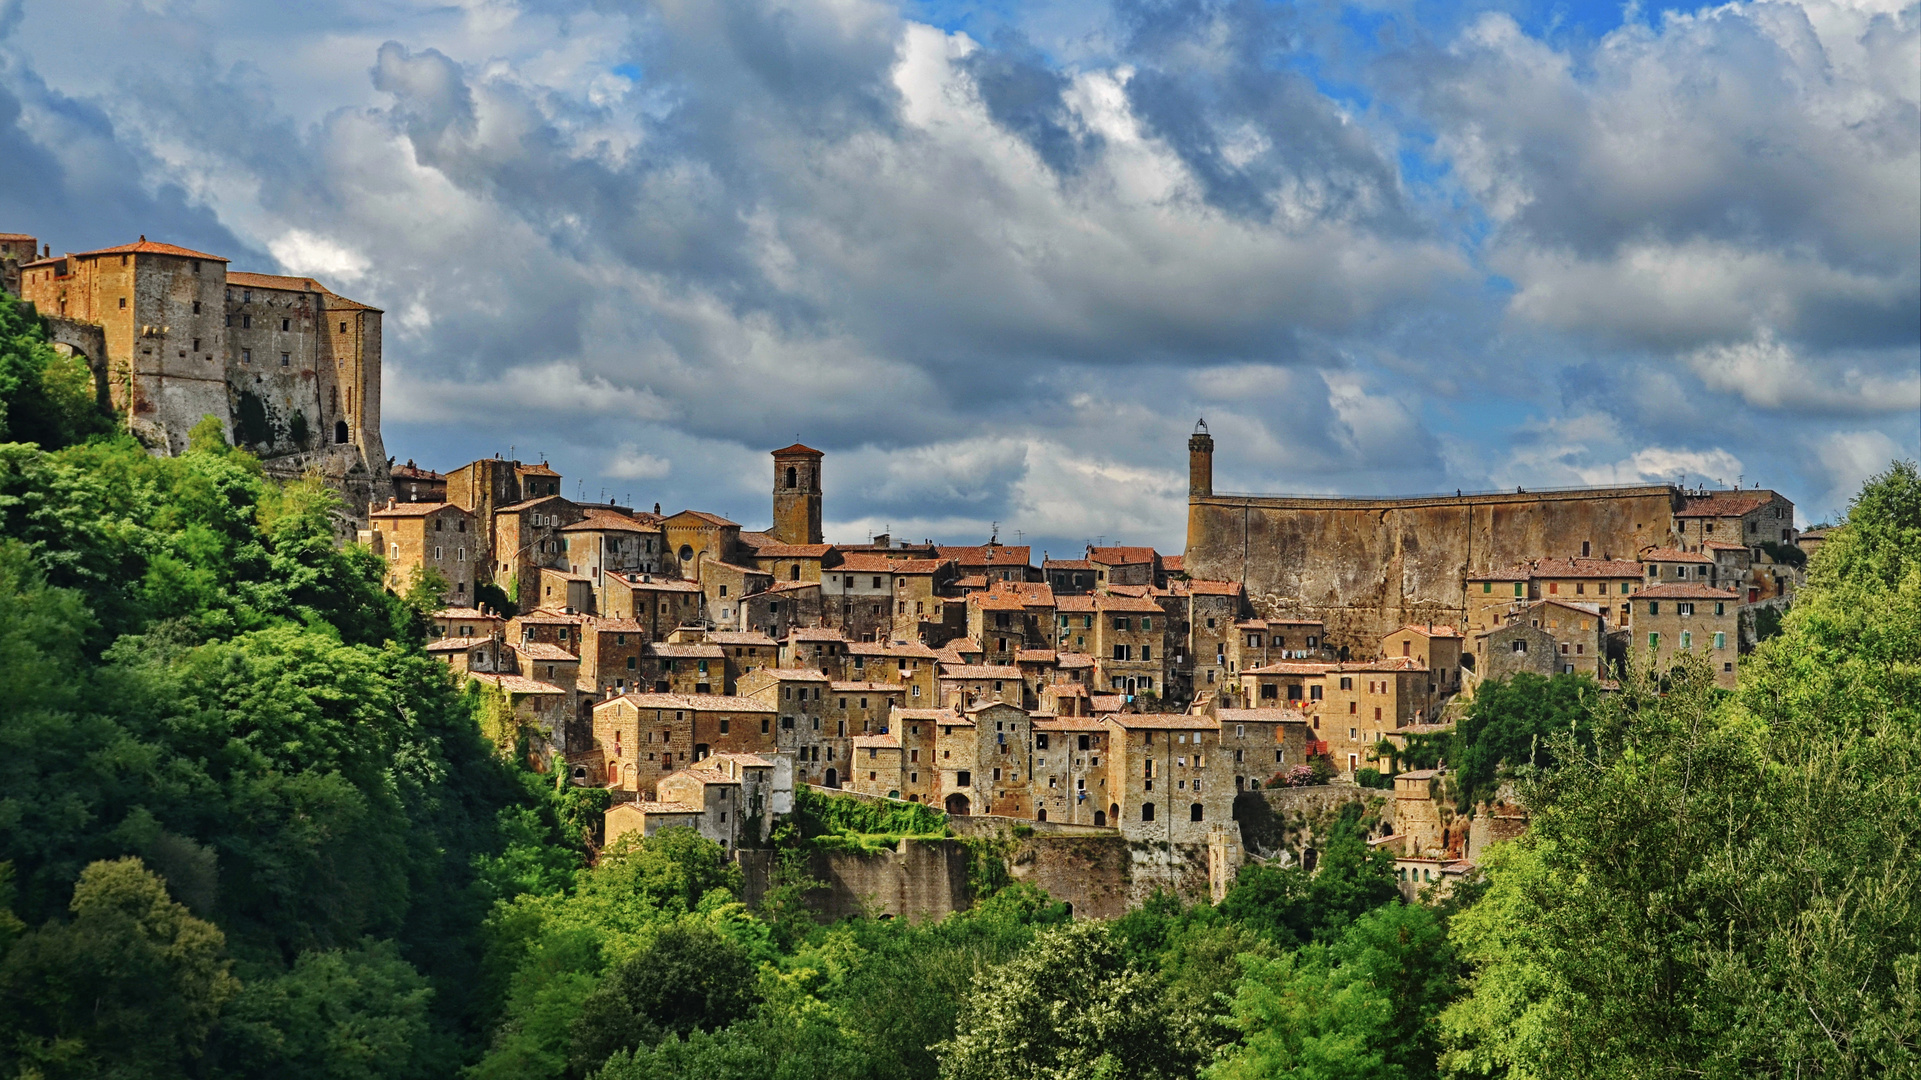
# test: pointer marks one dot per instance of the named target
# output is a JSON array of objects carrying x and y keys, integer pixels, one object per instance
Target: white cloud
[
  {"x": 301, "y": 252},
  {"x": 1768, "y": 374},
  {"x": 628, "y": 463},
  {"x": 1847, "y": 459}
]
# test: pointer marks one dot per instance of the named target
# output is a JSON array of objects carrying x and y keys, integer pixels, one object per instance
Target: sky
[{"x": 996, "y": 258}]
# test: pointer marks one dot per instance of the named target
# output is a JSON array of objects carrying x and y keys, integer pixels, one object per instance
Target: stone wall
[
  {"x": 1284, "y": 825},
  {"x": 1366, "y": 567}
]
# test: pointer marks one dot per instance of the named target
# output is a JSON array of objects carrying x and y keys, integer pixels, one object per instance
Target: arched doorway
[
  {"x": 1114, "y": 812},
  {"x": 833, "y": 778},
  {"x": 340, "y": 431},
  {"x": 957, "y": 804},
  {"x": 1100, "y": 819},
  {"x": 1040, "y": 815}
]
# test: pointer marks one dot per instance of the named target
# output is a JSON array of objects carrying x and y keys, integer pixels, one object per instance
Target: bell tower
[
  {"x": 797, "y": 495},
  {"x": 1200, "y": 461}
]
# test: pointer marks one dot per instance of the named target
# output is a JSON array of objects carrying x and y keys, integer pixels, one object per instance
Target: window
[
  {"x": 343, "y": 328},
  {"x": 1146, "y": 624},
  {"x": 285, "y": 324},
  {"x": 963, "y": 779},
  {"x": 123, "y": 305},
  {"x": 1687, "y": 639},
  {"x": 1520, "y": 588},
  {"x": 1194, "y": 812},
  {"x": 1120, "y": 652},
  {"x": 246, "y": 356},
  {"x": 1146, "y": 652},
  {"x": 286, "y": 359},
  {"x": 1120, "y": 622},
  {"x": 1720, "y": 641},
  {"x": 1654, "y": 641},
  {"x": 1720, "y": 609},
  {"x": 1654, "y": 607},
  {"x": 1487, "y": 587},
  {"x": 1147, "y": 811}
]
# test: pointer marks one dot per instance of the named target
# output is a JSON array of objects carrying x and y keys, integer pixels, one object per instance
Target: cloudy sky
[{"x": 995, "y": 257}]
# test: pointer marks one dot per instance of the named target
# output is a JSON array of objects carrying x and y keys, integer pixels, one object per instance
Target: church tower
[
  {"x": 797, "y": 495},
  {"x": 1200, "y": 461}
]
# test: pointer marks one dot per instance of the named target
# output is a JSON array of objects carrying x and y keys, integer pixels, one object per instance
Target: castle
[
  {"x": 289, "y": 368},
  {"x": 1367, "y": 566}
]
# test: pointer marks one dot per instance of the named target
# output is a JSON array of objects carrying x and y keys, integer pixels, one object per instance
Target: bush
[{"x": 1373, "y": 778}]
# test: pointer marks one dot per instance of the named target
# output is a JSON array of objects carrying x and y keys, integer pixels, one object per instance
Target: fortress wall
[{"x": 1369, "y": 566}]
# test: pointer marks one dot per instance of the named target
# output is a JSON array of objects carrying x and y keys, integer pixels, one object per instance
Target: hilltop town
[{"x": 700, "y": 670}]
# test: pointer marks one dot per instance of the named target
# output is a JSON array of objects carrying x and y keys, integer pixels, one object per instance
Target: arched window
[
  {"x": 792, "y": 475},
  {"x": 340, "y": 431},
  {"x": 1194, "y": 812},
  {"x": 1147, "y": 811}
]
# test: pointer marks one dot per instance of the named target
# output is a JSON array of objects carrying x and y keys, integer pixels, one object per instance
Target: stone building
[
  {"x": 16, "y": 249},
  {"x": 439, "y": 537},
  {"x": 1687, "y": 618},
  {"x": 717, "y": 796},
  {"x": 1262, "y": 742},
  {"x": 797, "y": 495},
  {"x": 1070, "y": 771},
  {"x": 290, "y": 369},
  {"x": 916, "y": 729},
  {"x": 875, "y": 768},
  {"x": 1546, "y": 637},
  {"x": 1166, "y": 780}
]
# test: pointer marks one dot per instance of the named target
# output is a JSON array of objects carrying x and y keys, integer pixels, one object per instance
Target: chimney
[{"x": 390, "y": 502}]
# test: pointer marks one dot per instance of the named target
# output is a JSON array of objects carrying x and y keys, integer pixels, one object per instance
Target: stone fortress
[
  {"x": 289, "y": 368},
  {"x": 1367, "y": 566}
]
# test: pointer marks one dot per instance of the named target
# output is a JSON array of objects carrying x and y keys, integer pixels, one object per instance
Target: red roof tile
[
  {"x": 797, "y": 448},
  {"x": 144, "y": 246}
]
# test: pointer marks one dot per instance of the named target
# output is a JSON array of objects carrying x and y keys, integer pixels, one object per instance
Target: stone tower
[
  {"x": 1200, "y": 461},
  {"x": 797, "y": 495}
]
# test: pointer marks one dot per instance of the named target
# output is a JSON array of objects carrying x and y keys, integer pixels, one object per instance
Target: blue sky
[{"x": 995, "y": 258}]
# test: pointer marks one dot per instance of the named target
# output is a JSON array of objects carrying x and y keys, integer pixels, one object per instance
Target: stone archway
[
  {"x": 89, "y": 342},
  {"x": 957, "y": 804}
]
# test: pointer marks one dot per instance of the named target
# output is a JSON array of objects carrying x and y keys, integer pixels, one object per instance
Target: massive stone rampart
[{"x": 1366, "y": 567}]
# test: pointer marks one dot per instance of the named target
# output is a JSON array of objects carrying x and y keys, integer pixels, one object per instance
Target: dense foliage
[{"x": 248, "y": 828}]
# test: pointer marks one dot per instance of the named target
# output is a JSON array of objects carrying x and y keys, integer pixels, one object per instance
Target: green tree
[
  {"x": 688, "y": 978},
  {"x": 1292, "y": 906},
  {"x": 348, "y": 1014},
  {"x": 129, "y": 987},
  {"x": 1362, "y": 1007},
  {"x": 45, "y": 398},
  {"x": 1723, "y": 887},
  {"x": 1070, "y": 1007}
]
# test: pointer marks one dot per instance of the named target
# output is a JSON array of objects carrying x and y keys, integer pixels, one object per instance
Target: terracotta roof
[
  {"x": 740, "y": 637},
  {"x": 614, "y": 626},
  {"x": 1035, "y": 656},
  {"x": 919, "y": 566},
  {"x": 16, "y": 236},
  {"x": 1068, "y": 660},
  {"x": 799, "y": 674},
  {"x": 400, "y": 510},
  {"x": 1075, "y": 604},
  {"x": 1262, "y": 716},
  {"x": 815, "y": 633},
  {"x": 1419, "y": 774},
  {"x": 1430, "y": 631},
  {"x": 1290, "y": 667},
  {"x": 1164, "y": 721},
  {"x": 462, "y": 613},
  {"x": 653, "y": 807},
  {"x": 336, "y": 302},
  {"x": 144, "y": 246},
  {"x": 983, "y": 706},
  {"x": 1013, "y": 596},
  {"x": 684, "y": 652},
  {"x": 876, "y": 742},
  {"x": 456, "y": 644},
  {"x": 1385, "y": 663},
  {"x": 988, "y": 555},
  {"x": 1107, "y": 703},
  {"x": 546, "y": 617},
  {"x": 980, "y": 671},
  {"x": 707, "y": 777},
  {"x": 1582, "y": 607},
  {"x": 867, "y": 688},
  {"x": 711, "y": 519},
  {"x": 1127, "y": 603},
  {"x": 1174, "y": 564},
  {"x": 528, "y": 504},
  {"x": 792, "y": 551},
  {"x": 1673, "y": 555},
  {"x": 1066, "y": 564},
  {"x": 514, "y": 684},
  {"x": 1121, "y": 556},
  {"x": 726, "y": 703},
  {"x": 751, "y": 761},
  {"x": 1069, "y": 723},
  {"x": 862, "y": 562},
  {"x": 925, "y": 714},
  {"x": 609, "y": 521},
  {"x": 1724, "y": 504},
  {"x": 971, "y": 581},
  {"x": 542, "y": 469},
  {"x": 410, "y": 471},
  {"x": 1680, "y": 591},
  {"x": 540, "y": 650},
  {"x": 890, "y": 648},
  {"x": 788, "y": 586},
  {"x": 1716, "y": 545},
  {"x": 273, "y": 281},
  {"x": 797, "y": 448}
]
